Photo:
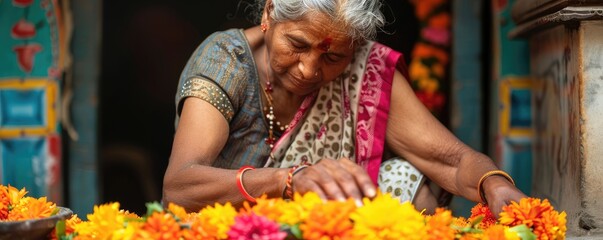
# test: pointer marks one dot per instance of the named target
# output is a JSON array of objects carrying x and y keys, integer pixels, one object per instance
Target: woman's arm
[
  {"x": 415, "y": 134},
  {"x": 191, "y": 181}
]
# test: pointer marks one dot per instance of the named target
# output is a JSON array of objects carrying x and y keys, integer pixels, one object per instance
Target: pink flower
[
  {"x": 439, "y": 36},
  {"x": 251, "y": 226}
]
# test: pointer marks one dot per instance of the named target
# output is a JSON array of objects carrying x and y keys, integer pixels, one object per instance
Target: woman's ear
[{"x": 266, "y": 13}]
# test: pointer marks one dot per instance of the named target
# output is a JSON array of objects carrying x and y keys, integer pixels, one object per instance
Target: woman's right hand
[{"x": 335, "y": 180}]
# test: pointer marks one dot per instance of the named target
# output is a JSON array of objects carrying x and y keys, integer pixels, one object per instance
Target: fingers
[
  {"x": 361, "y": 177},
  {"x": 335, "y": 179}
]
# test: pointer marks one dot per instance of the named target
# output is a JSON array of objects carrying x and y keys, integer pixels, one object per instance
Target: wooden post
[
  {"x": 83, "y": 156},
  {"x": 566, "y": 63}
]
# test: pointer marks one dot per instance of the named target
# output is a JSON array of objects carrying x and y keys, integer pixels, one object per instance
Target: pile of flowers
[
  {"x": 304, "y": 217},
  {"x": 15, "y": 206},
  {"x": 431, "y": 54}
]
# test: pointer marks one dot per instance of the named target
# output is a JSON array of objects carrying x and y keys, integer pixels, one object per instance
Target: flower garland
[
  {"x": 304, "y": 217},
  {"x": 430, "y": 56}
]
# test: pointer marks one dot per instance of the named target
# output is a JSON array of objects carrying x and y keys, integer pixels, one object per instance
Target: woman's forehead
[{"x": 318, "y": 29}]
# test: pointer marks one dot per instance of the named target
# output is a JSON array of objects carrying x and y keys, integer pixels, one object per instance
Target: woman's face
[{"x": 306, "y": 54}]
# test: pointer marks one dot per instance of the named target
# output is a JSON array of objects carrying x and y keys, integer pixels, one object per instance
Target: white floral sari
[{"x": 347, "y": 118}]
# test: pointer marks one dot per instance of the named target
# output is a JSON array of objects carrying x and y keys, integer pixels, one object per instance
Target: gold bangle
[{"x": 480, "y": 189}]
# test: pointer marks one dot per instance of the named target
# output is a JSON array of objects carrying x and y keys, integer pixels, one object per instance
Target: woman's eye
[
  {"x": 298, "y": 46},
  {"x": 332, "y": 58}
]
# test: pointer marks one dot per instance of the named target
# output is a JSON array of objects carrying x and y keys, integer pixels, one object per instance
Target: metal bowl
[{"x": 34, "y": 228}]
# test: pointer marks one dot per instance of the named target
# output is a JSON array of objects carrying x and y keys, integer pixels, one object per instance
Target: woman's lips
[{"x": 302, "y": 84}]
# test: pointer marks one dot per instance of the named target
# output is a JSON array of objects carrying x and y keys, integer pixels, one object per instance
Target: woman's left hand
[{"x": 500, "y": 192}]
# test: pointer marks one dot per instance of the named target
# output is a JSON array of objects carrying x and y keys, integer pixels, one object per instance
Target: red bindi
[{"x": 325, "y": 44}]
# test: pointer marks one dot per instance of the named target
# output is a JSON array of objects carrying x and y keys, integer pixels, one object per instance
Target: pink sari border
[{"x": 374, "y": 104}]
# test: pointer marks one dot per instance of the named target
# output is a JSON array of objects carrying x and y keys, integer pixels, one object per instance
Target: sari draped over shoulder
[{"x": 347, "y": 118}]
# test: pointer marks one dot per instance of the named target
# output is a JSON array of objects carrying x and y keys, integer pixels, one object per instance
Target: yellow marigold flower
[
  {"x": 216, "y": 221},
  {"x": 162, "y": 226},
  {"x": 179, "y": 212},
  {"x": 500, "y": 232},
  {"x": 287, "y": 212},
  {"x": 438, "y": 225},
  {"x": 292, "y": 213},
  {"x": 539, "y": 215},
  {"x": 31, "y": 208},
  {"x": 105, "y": 219},
  {"x": 130, "y": 232},
  {"x": 4, "y": 202},
  {"x": 329, "y": 221},
  {"x": 386, "y": 218},
  {"x": 15, "y": 195},
  {"x": 308, "y": 200},
  {"x": 471, "y": 236}
]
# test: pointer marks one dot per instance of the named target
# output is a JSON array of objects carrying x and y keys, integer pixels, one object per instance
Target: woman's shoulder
[{"x": 230, "y": 38}]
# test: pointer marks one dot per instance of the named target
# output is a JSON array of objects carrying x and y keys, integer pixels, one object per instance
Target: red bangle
[{"x": 240, "y": 183}]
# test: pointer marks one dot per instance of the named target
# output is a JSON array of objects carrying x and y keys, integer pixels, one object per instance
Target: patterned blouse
[{"x": 222, "y": 72}]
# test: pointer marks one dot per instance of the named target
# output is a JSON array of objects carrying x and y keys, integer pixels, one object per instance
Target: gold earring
[{"x": 263, "y": 27}]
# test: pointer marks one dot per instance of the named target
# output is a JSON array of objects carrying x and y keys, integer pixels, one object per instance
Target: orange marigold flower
[
  {"x": 500, "y": 232},
  {"x": 179, "y": 212},
  {"x": 484, "y": 211},
  {"x": 4, "y": 203},
  {"x": 197, "y": 232},
  {"x": 31, "y": 208},
  {"x": 438, "y": 225},
  {"x": 425, "y": 7},
  {"x": 270, "y": 208},
  {"x": 461, "y": 222},
  {"x": 329, "y": 221},
  {"x": 422, "y": 50},
  {"x": 70, "y": 223},
  {"x": 162, "y": 226},
  {"x": 441, "y": 20},
  {"x": 537, "y": 214}
]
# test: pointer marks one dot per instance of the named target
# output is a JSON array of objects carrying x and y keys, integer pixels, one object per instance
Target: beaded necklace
[{"x": 269, "y": 110}]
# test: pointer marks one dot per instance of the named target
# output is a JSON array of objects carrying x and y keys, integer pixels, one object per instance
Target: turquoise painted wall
[{"x": 31, "y": 67}]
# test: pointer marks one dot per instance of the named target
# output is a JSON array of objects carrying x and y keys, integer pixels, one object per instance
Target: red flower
[
  {"x": 433, "y": 101},
  {"x": 25, "y": 55},
  {"x": 22, "y": 3},
  {"x": 483, "y": 210}
]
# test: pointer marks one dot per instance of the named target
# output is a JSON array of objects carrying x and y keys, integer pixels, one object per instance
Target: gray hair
[{"x": 360, "y": 18}]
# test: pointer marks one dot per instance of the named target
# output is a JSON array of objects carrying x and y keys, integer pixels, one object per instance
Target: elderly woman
[{"x": 307, "y": 102}]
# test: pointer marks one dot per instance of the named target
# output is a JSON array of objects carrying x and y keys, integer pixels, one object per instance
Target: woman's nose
[{"x": 309, "y": 67}]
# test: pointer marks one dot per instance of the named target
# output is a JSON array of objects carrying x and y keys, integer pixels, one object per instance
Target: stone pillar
[{"x": 566, "y": 63}]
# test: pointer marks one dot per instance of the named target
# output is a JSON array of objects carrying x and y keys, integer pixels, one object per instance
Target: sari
[{"x": 346, "y": 118}]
